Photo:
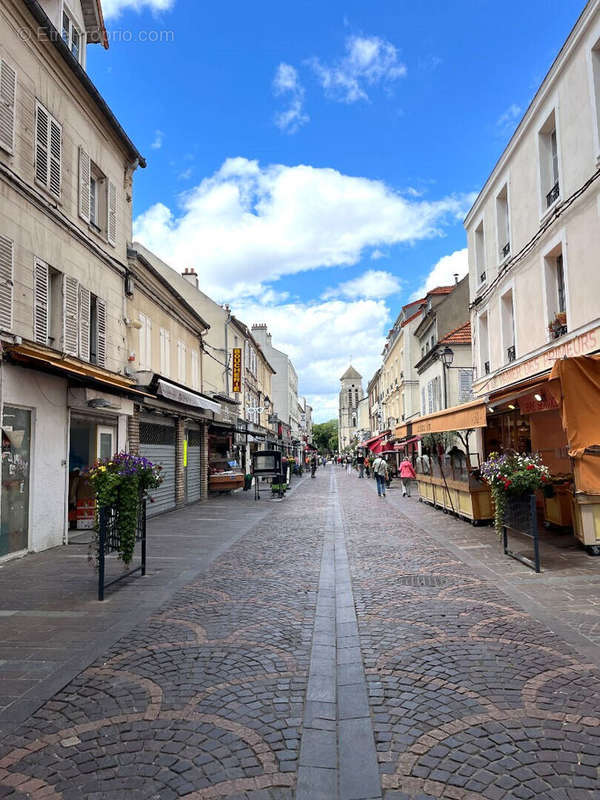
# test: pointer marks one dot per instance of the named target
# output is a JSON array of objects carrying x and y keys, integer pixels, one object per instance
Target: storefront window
[{"x": 16, "y": 448}]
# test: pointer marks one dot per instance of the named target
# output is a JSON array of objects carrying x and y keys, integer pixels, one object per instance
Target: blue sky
[{"x": 313, "y": 160}]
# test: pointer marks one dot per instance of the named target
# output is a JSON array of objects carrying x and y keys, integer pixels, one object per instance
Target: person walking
[
  {"x": 360, "y": 461},
  {"x": 407, "y": 474},
  {"x": 380, "y": 470},
  {"x": 348, "y": 464}
]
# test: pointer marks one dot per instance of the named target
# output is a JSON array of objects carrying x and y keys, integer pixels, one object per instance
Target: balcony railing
[
  {"x": 482, "y": 278},
  {"x": 511, "y": 352},
  {"x": 506, "y": 249},
  {"x": 552, "y": 195},
  {"x": 486, "y": 367},
  {"x": 558, "y": 331}
]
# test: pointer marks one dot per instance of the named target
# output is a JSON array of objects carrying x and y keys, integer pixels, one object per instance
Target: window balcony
[
  {"x": 482, "y": 277},
  {"x": 506, "y": 250},
  {"x": 552, "y": 195},
  {"x": 486, "y": 367},
  {"x": 511, "y": 353}
]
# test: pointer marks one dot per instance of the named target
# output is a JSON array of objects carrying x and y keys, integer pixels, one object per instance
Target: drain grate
[{"x": 423, "y": 580}]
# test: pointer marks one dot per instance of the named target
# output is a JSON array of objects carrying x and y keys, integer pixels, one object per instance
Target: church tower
[{"x": 351, "y": 393}]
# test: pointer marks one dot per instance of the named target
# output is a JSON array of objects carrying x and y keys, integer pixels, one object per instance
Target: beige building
[
  {"x": 399, "y": 381},
  {"x": 66, "y": 169},
  {"x": 351, "y": 392}
]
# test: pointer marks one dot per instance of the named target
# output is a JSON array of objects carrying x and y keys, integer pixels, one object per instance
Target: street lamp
[{"x": 447, "y": 356}]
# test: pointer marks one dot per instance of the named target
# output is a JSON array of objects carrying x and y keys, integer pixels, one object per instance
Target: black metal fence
[
  {"x": 521, "y": 516},
  {"x": 109, "y": 541}
]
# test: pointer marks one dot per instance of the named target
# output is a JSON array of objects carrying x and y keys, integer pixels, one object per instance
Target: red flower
[
  {"x": 507, "y": 483},
  {"x": 544, "y": 477},
  {"x": 530, "y": 466}
]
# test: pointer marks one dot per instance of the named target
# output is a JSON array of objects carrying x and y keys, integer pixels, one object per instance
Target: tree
[{"x": 325, "y": 436}]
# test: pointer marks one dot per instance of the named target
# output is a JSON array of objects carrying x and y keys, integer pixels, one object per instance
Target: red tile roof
[
  {"x": 442, "y": 289},
  {"x": 460, "y": 335}
]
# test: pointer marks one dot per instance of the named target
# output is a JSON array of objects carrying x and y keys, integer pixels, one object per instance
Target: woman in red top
[{"x": 407, "y": 474}]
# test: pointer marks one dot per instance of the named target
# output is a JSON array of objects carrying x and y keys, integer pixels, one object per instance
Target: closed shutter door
[
  {"x": 193, "y": 474},
  {"x": 157, "y": 444}
]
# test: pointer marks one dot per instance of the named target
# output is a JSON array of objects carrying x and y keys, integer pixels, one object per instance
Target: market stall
[
  {"x": 224, "y": 462},
  {"x": 447, "y": 472}
]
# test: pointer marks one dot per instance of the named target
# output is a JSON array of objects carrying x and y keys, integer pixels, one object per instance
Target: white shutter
[
  {"x": 167, "y": 353},
  {"x": 84, "y": 323},
  {"x": 112, "y": 213},
  {"x": 164, "y": 352},
  {"x": 181, "y": 361},
  {"x": 194, "y": 369},
  {"x": 148, "y": 335},
  {"x": 70, "y": 315},
  {"x": 54, "y": 178},
  {"x": 100, "y": 332},
  {"x": 465, "y": 381},
  {"x": 430, "y": 397},
  {"x": 6, "y": 283},
  {"x": 41, "y": 296},
  {"x": 142, "y": 343},
  {"x": 84, "y": 185},
  {"x": 42, "y": 120},
  {"x": 8, "y": 96}
]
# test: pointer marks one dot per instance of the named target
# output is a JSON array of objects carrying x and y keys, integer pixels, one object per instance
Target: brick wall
[{"x": 133, "y": 431}]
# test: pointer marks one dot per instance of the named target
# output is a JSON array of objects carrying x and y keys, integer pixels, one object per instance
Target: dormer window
[{"x": 71, "y": 35}]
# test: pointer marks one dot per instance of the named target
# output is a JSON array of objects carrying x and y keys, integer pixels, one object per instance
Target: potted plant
[
  {"x": 512, "y": 475},
  {"x": 122, "y": 482}
]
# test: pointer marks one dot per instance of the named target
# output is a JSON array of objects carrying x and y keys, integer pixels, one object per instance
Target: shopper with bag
[
  {"x": 407, "y": 474},
  {"x": 380, "y": 470}
]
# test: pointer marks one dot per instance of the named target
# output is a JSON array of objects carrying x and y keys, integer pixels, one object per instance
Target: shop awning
[
  {"x": 179, "y": 395},
  {"x": 50, "y": 361},
  {"x": 458, "y": 418},
  {"x": 370, "y": 443}
]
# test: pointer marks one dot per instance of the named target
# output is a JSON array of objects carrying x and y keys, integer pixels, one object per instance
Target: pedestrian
[
  {"x": 407, "y": 474},
  {"x": 360, "y": 460},
  {"x": 348, "y": 464},
  {"x": 380, "y": 470},
  {"x": 368, "y": 466}
]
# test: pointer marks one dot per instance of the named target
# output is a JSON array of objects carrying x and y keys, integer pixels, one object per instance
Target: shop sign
[
  {"x": 578, "y": 346},
  {"x": 454, "y": 419},
  {"x": 529, "y": 405},
  {"x": 237, "y": 369}
]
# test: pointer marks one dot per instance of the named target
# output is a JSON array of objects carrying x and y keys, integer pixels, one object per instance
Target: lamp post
[{"x": 446, "y": 357}]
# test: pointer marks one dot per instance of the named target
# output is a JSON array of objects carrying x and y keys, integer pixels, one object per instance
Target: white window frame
[
  {"x": 479, "y": 268},
  {"x": 181, "y": 362},
  {"x": 145, "y": 343},
  {"x": 66, "y": 11},
  {"x": 552, "y": 108},
  {"x": 559, "y": 240},
  {"x": 195, "y": 364},
  {"x": 165, "y": 352},
  {"x": 502, "y": 258},
  {"x": 505, "y": 289},
  {"x": 483, "y": 313}
]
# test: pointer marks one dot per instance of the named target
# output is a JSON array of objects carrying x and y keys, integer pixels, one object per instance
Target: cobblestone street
[{"x": 334, "y": 651}]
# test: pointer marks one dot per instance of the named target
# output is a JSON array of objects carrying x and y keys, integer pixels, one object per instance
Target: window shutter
[
  {"x": 6, "y": 283},
  {"x": 70, "y": 315},
  {"x": 8, "y": 95},
  {"x": 54, "y": 179},
  {"x": 84, "y": 185},
  {"x": 465, "y": 381},
  {"x": 40, "y": 302},
  {"x": 167, "y": 353},
  {"x": 100, "y": 332},
  {"x": 148, "y": 336},
  {"x": 84, "y": 323},
  {"x": 142, "y": 343},
  {"x": 112, "y": 213},
  {"x": 41, "y": 145}
]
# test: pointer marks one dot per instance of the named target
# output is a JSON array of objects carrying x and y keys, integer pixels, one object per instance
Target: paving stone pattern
[{"x": 470, "y": 697}]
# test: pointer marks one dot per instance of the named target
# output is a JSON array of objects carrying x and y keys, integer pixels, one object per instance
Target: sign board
[
  {"x": 529, "y": 405},
  {"x": 236, "y": 379},
  {"x": 266, "y": 462}
]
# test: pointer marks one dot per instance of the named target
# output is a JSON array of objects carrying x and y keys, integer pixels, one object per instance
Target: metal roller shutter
[
  {"x": 157, "y": 443},
  {"x": 193, "y": 473}
]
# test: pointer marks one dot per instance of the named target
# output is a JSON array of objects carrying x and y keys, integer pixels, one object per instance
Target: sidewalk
[{"x": 51, "y": 621}]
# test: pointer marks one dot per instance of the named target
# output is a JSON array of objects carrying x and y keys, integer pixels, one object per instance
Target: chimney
[
  {"x": 191, "y": 276},
  {"x": 456, "y": 277}
]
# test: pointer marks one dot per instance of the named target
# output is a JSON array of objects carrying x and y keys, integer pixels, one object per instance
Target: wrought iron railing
[
  {"x": 109, "y": 541},
  {"x": 482, "y": 277},
  {"x": 520, "y": 516},
  {"x": 552, "y": 195},
  {"x": 511, "y": 353},
  {"x": 558, "y": 331},
  {"x": 486, "y": 367},
  {"x": 506, "y": 249}
]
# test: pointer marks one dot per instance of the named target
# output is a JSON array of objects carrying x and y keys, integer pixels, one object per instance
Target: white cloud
[
  {"x": 186, "y": 174},
  {"x": 114, "y": 8},
  {"x": 369, "y": 61},
  {"x": 286, "y": 82},
  {"x": 320, "y": 338},
  {"x": 373, "y": 284},
  {"x": 159, "y": 138},
  {"x": 444, "y": 271},
  {"x": 247, "y": 225},
  {"x": 507, "y": 121}
]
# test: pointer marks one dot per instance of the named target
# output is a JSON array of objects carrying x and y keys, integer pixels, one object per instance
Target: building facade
[{"x": 351, "y": 392}]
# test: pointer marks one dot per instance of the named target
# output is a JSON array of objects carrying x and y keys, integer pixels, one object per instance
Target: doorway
[{"x": 16, "y": 467}]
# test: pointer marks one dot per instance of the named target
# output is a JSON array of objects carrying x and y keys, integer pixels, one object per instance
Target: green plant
[
  {"x": 512, "y": 474},
  {"x": 121, "y": 482}
]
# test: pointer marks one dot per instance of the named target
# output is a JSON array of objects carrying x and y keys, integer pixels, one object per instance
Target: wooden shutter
[
  {"x": 194, "y": 369},
  {"x": 42, "y": 120},
  {"x": 84, "y": 323},
  {"x": 100, "y": 332},
  {"x": 84, "y": 185},
  {"x": 54, "y": 178},
  {"x": 6, "y": 283},
  {"x": 112, "y": 213},
  {"x": 41, "y": 297},
  {"x": 465, "y": 381},
  {"x": 70, "y": 315},
  {"x": 141, "y": 356},
  {"x": 8, "y": 96}
]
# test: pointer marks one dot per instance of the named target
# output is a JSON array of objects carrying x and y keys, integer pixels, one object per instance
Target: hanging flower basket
[
  {"x": 121, "y": 482},
  {"x": 511, "y": 475}
]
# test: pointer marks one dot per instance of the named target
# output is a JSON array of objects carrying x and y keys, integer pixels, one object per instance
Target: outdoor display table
[
  {"x": 454, "y": 487},
  {"x": 225, "y": 481},
  {"x": 558, "y": 510},
  {"x": 586, "y": 520}
]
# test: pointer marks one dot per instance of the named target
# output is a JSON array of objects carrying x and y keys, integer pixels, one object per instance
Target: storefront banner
[
  {"x": 237, "y": 370},
  {"x": 459, "y": 418},
  {"x": 578, "y": 346},
  {"x": 172, "y": 392},
  {"x": 529, "y": 405}
]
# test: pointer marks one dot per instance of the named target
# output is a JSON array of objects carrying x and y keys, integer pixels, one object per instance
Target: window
[
  {"x": 181, "y": 353},
  {"x": 71, "y": 35},
  {"x": 502, "y": 221},
  {"x": 165, "y": 353},
  {"x": 8, "y": 98},
  {"x": 6, "y": 283},
  {"x": 97, "y": 198},
  {"x": 484, "y": 344},
  {"x": 480, "y": 253},
  {"x": 549, "y": 162},
  {"x": 145, "y": 343},
  {"x": 97, "y": 331},
  {"x": 195, "y": 370},
  {"x": 595, "y": 57},
  {"x": 507, "y": 316},
  {"x": 465, "y": 381},
  {"x": 556, "y": 292},
  {"x": 48, "y": 151},
  {"x": 423, "y": 411}
]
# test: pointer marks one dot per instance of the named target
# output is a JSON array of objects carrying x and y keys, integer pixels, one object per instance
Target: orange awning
[{"x": 458, "y": 418}]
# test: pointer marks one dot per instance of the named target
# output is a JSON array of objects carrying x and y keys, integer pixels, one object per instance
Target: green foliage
[
  {"x": 325, "y": 436},
  {"x": 512, "y": 474}
]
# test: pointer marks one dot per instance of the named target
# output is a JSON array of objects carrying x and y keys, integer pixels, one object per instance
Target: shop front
[{"x": 225, "y": 458}]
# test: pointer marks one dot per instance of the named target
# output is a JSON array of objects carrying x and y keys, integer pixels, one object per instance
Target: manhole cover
[{"x": 423, "y": 580}]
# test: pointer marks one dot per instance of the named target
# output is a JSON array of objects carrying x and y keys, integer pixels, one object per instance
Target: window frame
[
  {"x": 505, "y": 187},
  {"x": 543, "y": 149},
  {"x": 506, "y": 288},
  {"x": 558, "y": 241},
  {"x": 73, "y": 26}
]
